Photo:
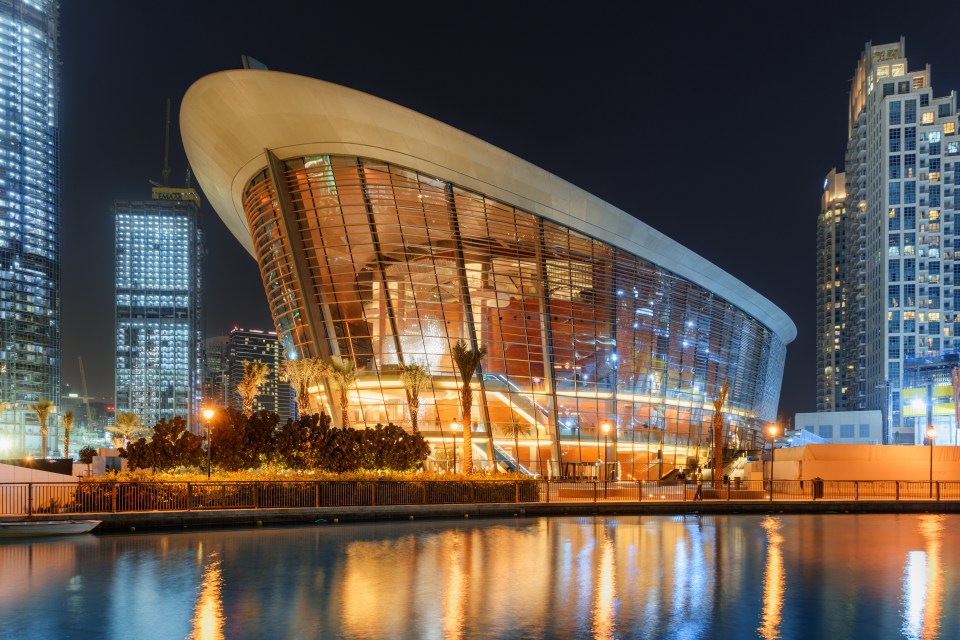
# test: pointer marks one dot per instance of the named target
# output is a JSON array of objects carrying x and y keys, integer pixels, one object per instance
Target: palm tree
[
  {"x": 302, "y": 374},
  {"x": 343, "y": 375},
  {"x": 414, "y": 378},
  {"x": 717, "y": 436},
  {"x": 516, "y": 429},
  {"x": 254, "y": 375},
  {"x": 67, "y": 428},
  {"x": 126, "y": 427},
  {"x": 467, "y": 361},
  {"x": 43, "y": 409}
]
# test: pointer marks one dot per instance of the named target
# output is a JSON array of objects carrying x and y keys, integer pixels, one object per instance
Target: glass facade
[
  {"x": 896, "y": 261},
  {"x": 383, "y": 266},
  {"x": 29, "y": 222},
  {"x": 158, "y": 309}
]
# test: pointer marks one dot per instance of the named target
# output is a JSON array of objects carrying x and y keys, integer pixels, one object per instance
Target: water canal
[{"x": 673, "y": 577}]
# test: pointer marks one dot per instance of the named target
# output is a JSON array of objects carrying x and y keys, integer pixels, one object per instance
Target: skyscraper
[
  {"x": 252, "y": 345},
  {"x": 29, "y": 221},
  {"x": 898, "y": 330},
  {"x": 831, "y": 306},
  {"x": 158, "y": 306},
  {"x": 216, "y": 372}
]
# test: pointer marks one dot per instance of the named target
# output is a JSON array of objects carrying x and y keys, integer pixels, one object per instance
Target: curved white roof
[{"x": 228, "y": 118}]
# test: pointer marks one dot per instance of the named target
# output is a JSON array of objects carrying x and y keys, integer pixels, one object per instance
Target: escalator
[
  {"x": 510, "y": 462},
  {"x": 520, "y": 401}
]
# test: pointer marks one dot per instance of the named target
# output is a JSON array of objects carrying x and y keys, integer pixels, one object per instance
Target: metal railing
[{"x": 32, "y": 498}]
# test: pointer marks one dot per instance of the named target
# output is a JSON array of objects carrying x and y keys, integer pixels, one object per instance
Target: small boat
[{"x": 41, "y": 528}]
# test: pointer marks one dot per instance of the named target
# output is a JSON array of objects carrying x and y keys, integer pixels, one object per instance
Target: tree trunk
[
  {"x": 43, "y": 441},
  {"x": 415, "y": 415},
  {"x": 344, "y": 409},
  {"x": 467, "y": 402},
  {"x": 516, "y": 451}
]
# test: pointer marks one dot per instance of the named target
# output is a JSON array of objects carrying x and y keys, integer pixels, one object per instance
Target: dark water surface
[{"x": 678, "y": 578}]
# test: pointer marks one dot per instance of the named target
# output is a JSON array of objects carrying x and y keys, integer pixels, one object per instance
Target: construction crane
[{"x": 85, "y": 398}]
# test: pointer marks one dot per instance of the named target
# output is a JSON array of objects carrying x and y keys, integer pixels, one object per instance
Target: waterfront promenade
[{"x": 123, "y": 506}]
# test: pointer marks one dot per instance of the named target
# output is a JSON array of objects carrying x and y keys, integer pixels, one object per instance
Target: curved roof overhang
[{"x": 229, "y": 118}]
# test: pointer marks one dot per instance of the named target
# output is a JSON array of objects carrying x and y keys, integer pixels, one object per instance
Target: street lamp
[
  {"x": 455, "y": 427},
  {"x": 207, "y": 415},
  {"x": 773, "y": 448},
  {"x": 605, "y": 428},
  {"x": 931, "y": 434}
]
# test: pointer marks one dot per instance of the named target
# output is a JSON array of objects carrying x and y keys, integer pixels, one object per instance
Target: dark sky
[{"x": 714, "y": 124}]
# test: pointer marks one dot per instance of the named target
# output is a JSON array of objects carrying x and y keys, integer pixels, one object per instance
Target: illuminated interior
[{"x": 390, "y": 266}]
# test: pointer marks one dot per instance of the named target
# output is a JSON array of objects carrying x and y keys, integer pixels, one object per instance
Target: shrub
[
  {"x": 390, "y": 447},
  {"x": 171, "y": 446}
]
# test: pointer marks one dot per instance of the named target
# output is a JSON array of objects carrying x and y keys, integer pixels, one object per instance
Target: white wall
[{"x": 822, "y": 424}]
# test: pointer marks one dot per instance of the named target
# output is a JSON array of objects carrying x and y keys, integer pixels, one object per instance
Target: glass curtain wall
[{"x": 398, "y": 266}]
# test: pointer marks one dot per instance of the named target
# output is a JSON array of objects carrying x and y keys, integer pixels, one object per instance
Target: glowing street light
[
  {"x": 605, "y": 428},
  {"x": 931, "y": 434},
  {"x": 207, "y": 416},
  {"x": 773, "y": 448},
  {"x": 455, "y": 427}
]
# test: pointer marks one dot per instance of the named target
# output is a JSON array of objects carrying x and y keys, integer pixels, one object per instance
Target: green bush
[{"x": 170, "y": 446}]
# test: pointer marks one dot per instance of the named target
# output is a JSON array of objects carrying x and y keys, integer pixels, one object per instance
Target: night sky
[{"x": 712, "y": 124}]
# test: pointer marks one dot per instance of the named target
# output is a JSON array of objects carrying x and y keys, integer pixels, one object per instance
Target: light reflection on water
[
  {"x": 208, "y": 612},
  {"x": 923, "y": 582},
  {"x": 833, "y": 576},
  {"x": 773, "y": 581}
]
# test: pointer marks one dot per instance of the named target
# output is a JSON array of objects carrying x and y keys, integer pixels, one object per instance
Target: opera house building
[{"x": 384, "y": 237}]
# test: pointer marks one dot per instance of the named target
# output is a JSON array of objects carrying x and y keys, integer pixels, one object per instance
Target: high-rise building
[
  {"x": 896, "y": 334},
  {"x": 158, "y": 314},
  {"x": 253, "y": 345},
  {"x": 216, "y": 372},
  {"x": 831, "y": 306},
  {"x": 29, "y": 221}
]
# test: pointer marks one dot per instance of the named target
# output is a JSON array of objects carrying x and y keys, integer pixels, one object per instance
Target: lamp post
[
  {"x": 605, "y": 428},
  {"x": 455, "y": 427},
  {"x": 773, "y": 448},
  {"x": 207, "y": 415},
  {"x": 660, "y": 454},
  {"x": 931, "y": 434}
]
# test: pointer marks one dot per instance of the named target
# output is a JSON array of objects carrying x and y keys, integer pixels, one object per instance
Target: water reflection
[
  {"x": 923, "y": 582},
  {"x": 837, "y": 576},
  {"x": 773, "y": 581},
  {"x": 454, "y": 611},
  {"x": 604, "y": 625},
  {"x": 208, "y": 612}
]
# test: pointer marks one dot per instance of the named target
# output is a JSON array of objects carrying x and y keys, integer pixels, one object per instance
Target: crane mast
[{"x": 86, "y": 398}]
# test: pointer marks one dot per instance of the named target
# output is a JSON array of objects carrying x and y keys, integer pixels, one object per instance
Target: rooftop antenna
[{"x": 166, "y": 149}]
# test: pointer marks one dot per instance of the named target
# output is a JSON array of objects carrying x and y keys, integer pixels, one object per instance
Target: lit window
[
  {"x": 883, "y": 72},
  {"x": 934, "y": 176},
  {"x": 926, "y": 117},
  {"x": 918, "y": 82},
  {"x": 949, "y": 128},
  {"x": 898, "y": 70},
  {"x": 933, "y": 136}
]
